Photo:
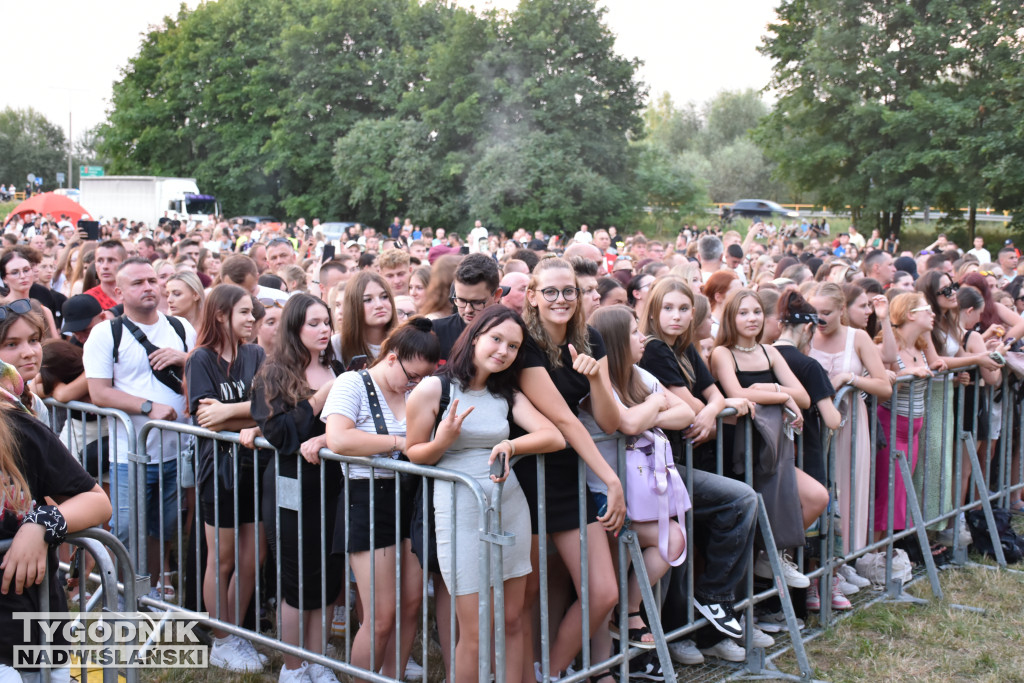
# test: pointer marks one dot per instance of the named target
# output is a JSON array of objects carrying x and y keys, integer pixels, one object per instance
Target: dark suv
[{"x": 757, "y": 208}]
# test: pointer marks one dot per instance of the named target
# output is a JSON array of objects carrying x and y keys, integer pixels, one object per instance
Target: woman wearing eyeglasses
[
  {"x": 18, "y": 271},
  {"x": 366, "y": 417},
  {"x": 565, "y": 357},
  {"x": 850, "y": 357},
  {"x": 368, "y": 309}
]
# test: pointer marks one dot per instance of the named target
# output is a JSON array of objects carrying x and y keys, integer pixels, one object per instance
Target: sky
[{"x": 691, "y": 49}]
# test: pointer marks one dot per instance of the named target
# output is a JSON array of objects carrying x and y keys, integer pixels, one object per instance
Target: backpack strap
[
  {"x": 180, "y": 329},
  {"x": 116, "y": 330}
]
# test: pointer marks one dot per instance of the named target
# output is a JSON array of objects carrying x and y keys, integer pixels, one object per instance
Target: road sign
[
  {"x": 90, "y": 171},
  {"x": 60, "y": 178}
]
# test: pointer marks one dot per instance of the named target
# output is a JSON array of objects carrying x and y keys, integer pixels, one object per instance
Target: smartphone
[
  {"x": 998, "y": 358},
  {"x": 358, "y": 363},
  {"x": 498, "y": 466},
  {"x": 91, "y": 229},
  {"x": 1009, "y": 341},
  {"x": 328, "y": 253}
]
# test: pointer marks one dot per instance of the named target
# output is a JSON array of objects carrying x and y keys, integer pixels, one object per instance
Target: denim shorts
[{"x": 124, "y": 507}]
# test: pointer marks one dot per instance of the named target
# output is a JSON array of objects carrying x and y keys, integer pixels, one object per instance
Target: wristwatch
[{"x": 146, "y": 407}]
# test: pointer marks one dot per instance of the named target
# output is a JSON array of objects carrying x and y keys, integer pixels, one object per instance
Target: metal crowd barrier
[{"x": 945, "y": 450}]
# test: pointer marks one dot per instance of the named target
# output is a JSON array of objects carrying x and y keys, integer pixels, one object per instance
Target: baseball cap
[{"x": 78, "y": 312}]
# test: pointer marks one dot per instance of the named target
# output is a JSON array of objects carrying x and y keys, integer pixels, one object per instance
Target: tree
[
  {"x": 730, "y": 116},
  {"x": 878, "y": 101},
  {"x": 671, "y": 183},
  {"x": 29, "y": 143}
]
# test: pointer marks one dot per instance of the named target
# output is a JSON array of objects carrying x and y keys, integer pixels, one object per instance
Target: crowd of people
[{"x": 417, "y": 344}]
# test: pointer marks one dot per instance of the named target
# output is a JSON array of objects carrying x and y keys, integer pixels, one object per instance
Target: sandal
[
  {"x": 635, "y": 634},
  {"x": 165, "y": 586},
  {"x": 1017, "y": 507}
]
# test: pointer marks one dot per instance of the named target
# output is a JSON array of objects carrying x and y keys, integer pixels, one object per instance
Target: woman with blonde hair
[
  {"x": 419, "y": 282},
  {"x": 850, "y": 358},
  {"x": 86, "y": 255},
  {"x": 185, "y": 297}
]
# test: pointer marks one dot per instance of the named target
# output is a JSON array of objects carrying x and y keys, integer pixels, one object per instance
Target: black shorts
[
  {"x": 562, "y": 487},
  {"x": 384, "y": 517},
  {"x": 249, "y": 510}
]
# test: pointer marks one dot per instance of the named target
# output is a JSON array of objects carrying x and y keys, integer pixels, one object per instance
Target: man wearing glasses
[{"x": 475, "y": 288}]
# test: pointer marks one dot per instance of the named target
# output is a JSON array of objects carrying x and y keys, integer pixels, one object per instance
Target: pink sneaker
[
  {"x": 813, "y": 599},
  {"x": 839, "y": 599}
]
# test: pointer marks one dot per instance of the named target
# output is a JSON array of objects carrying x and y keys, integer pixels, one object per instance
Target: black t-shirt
[
  {"x": 49, "y": 470},
  {"x": 573, "y": 386},
  {"x": 815, "y": 380},
  {"x": 660, "y": 361},
  {"x": 448, "y": 330},
  {"x": 50, "y": 298},
  {"x": 206, "y": 376}
]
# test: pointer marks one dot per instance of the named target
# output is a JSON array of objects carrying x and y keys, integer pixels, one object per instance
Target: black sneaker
[
  {"x": 721, "y": 616},
  {"x": 646, "y": 667}
]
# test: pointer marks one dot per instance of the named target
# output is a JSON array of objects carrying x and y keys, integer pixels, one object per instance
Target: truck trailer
[{"x": 147, "y": 199}]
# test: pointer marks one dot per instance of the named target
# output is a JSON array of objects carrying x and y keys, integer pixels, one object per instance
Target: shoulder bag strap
[
  {"x": 664, "y": 491},
  {"x": 371, "y": 398},
  {"x": 446, "y": 397},
  {"x": 138, "y": 334}
]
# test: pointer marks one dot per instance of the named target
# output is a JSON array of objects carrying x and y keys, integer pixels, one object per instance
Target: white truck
[{"x": 147, "y": 199}]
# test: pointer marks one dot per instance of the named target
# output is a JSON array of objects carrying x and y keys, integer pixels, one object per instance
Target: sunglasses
[
  {"x": 270, "y": 303},
  {"x": 920, "y": 308},
  {"x": 949, "y": 290},
  {"x": 18, "y": 307}
]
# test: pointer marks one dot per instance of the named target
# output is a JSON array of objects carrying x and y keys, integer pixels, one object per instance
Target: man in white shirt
[
  {"x": 980, "y": 252},
  {"x": 583, "y": 236},
  {"x": 479, "y": 232},
  {"x": 130, "y": 384}
]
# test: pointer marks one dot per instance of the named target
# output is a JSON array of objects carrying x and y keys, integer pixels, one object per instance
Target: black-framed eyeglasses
[
  {"x": 404, "y": 315},
  {"x": 950, "y": 290},
  {"x": 475, "y": 304},
  {"x": 18, "y": 307},
  {"x": 551, "y": 294},
  {"x": 410, "y": 380}
]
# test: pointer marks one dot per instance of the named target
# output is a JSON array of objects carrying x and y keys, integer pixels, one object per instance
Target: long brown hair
[
  {"x": 284, "y": 373},
  {"x": 613, "y": 324},
  {"x": 576, "y": 330},
  {"x": 353, "y": 331},
  {"x": 650, "y": 320},
  {"x": 437, "y": 298},
  {"x": 728, "y": 335},
  {"x": 15, "y": 494},
  {"x": 216, "y": 334}
]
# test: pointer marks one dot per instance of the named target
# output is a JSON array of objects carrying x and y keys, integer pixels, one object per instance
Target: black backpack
[{"x": 1013, "y": 545}]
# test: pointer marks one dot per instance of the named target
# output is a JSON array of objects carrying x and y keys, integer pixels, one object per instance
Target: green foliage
[
  {"x": 348, "y": 109},
  {"x": 887, "y": 105},
  {"x": 29, "y": 143}
]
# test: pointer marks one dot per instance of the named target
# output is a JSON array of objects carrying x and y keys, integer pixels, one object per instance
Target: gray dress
[{"x": 456, "y": 512}]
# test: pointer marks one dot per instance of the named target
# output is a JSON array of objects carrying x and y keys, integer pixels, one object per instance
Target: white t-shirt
[
  {"x": 475, "y": 235},
  {"x": 582, "y": 237},
  {"x": 609, "y": 448},
  {"x": 133, "y": 375},
  {"x": 348, "y": 398},
  {"x": 982, "y": 255}
]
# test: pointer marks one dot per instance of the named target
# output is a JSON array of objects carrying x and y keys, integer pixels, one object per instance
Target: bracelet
[
  {"x": 778, "y": 389},
  {"x": 511, "y": 447},
  {"x": 52, "y": 520}
]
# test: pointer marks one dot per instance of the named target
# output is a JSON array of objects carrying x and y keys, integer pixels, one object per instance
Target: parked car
[{"x": 757, "y": 208}]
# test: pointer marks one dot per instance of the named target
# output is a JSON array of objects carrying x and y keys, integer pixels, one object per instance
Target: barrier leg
[
  {"x": 919, "y": 527},
  {"x": 629, "y": 539}
]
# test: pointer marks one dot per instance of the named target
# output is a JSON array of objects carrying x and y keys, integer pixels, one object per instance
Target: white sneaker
[
  {"x": 792, "y": 575},
  {"x": 318, "y": 673},
  {"x": 250, "y": 650},
  {"x": 300, "y": 675},
  {"x": 851, "y": 576},
  {"x": 685, "y": 652},
  {"x": 413, "y": 670},
  {"x": 226, "y": 653},
  {"x": 726, "y": 649},
  {"x": 845, "y": 586},
  {"x": 762, "y": 639}
]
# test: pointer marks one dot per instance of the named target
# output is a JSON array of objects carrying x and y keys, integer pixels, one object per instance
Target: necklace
[{"x": 745, "y": 349}]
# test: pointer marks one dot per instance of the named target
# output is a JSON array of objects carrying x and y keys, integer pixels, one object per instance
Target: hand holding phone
[
  {"x": 498, "y": 466},
  {"x": 358, "y": 363}
]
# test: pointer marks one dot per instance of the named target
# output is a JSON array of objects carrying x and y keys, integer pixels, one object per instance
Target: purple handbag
[{"x": 654, "y": 489}]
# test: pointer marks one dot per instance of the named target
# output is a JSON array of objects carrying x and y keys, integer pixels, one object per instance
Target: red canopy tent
[{"x": 55, "y": 205}]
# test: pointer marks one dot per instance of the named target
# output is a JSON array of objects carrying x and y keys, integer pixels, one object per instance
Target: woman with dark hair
[
  {"x": 611, "y": 291},
  {"x": 358, "y": 401},
  {"x": 870, "y": 312},
  {"x": 368, "y": 309},
  {"x": 637, "y": 288},
  {"x": 745, "y": 368},
  {"x": 218, "y": 379},
  {"x": 994, "y": 314},
  {"x": 483, "y": 371},
  {"x": 288, "y": 396}
]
